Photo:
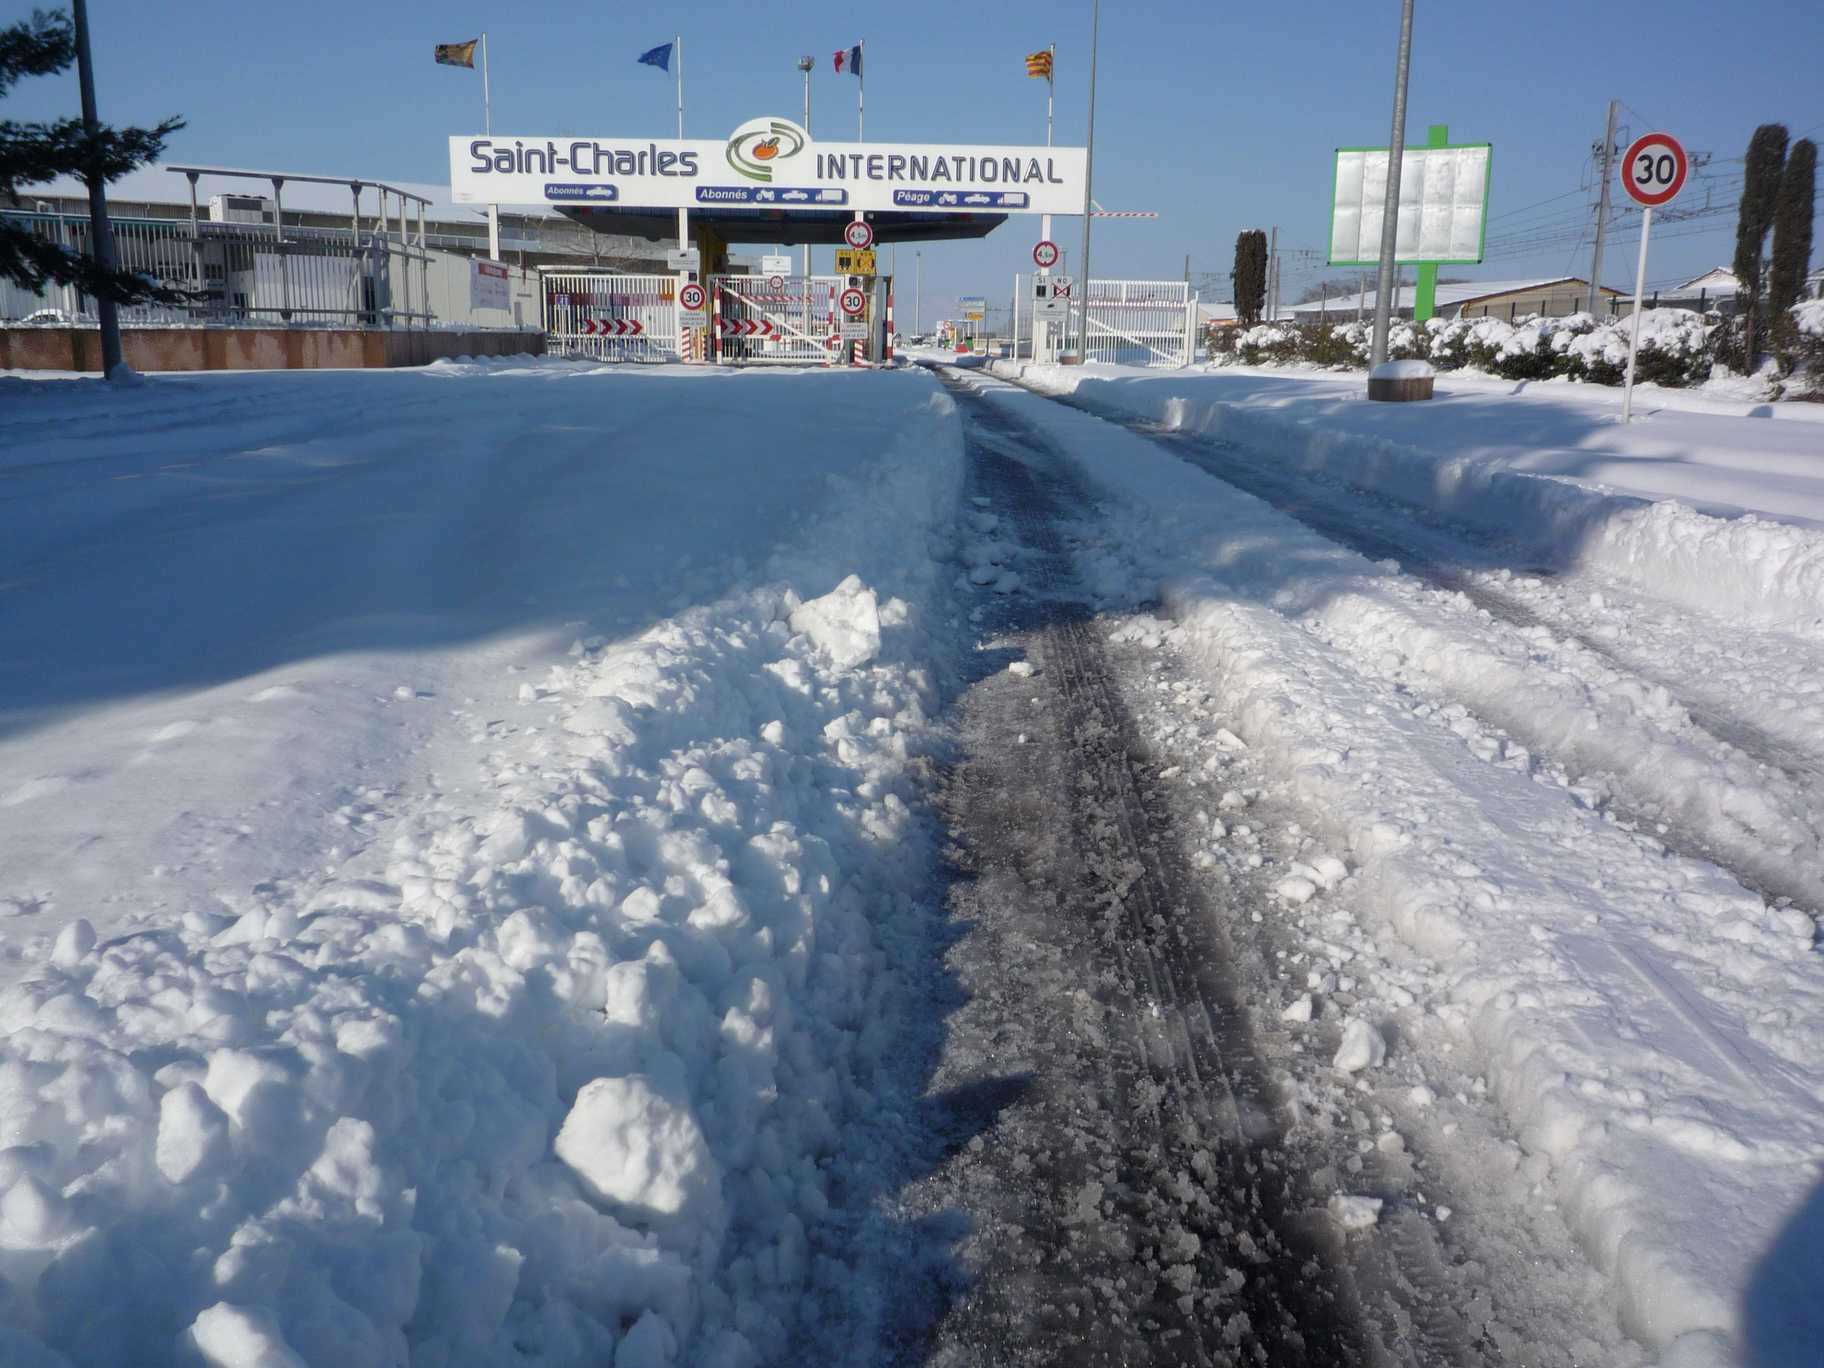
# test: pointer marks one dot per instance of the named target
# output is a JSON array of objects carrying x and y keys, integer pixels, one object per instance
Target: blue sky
[{"x": 1221, "y": 117}]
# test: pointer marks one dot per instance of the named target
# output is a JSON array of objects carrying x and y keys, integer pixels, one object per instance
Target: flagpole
[
  {"x": 861, "y": 90},
  {"x": 683, "y": 213},
  {"x": 1050, "y": 90},
  {"x": 487, "y": 127}
]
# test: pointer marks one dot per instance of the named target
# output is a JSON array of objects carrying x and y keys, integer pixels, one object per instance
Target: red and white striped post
[
  {"x": 889, "y": 353},
  {"x": 715, "y": 320}
]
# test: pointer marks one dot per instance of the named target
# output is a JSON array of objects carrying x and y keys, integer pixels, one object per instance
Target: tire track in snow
[{"x": 1165, "y": 1220}]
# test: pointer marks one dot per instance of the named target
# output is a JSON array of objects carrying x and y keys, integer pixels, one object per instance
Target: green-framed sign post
[{"x": 1425, "y": 293}]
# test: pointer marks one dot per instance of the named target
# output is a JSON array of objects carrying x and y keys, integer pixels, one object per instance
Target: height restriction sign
[
  {"x": 1045, "y": 254},
  {"x": 858, "y": 234},
  {"x": 1653, "y": 171}
]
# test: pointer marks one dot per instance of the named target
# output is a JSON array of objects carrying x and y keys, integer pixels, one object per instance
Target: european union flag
[{"x": 659, "y": 57}]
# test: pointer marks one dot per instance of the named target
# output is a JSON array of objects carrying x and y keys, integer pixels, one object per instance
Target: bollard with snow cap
[{"x": 1396, "y": 381}]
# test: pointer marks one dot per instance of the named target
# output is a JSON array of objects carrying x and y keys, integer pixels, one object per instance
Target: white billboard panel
[
  {"x": 1443, "y": 204},
  {"x": 766, "y": 164}
]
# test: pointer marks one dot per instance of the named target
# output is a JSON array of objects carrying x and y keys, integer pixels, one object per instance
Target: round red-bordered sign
[
  {"x": 1045, "y": 254},
  {"x": 858, "y": 234},
  {"x": 853, "y": 302},
  {"x": 1653, "y": 169},
  {"x": 775, "y": 282},
  {"x": 692, "y": 298}
]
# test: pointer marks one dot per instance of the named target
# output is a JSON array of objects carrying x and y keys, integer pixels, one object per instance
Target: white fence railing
[{"x": 1131, "y": 322}]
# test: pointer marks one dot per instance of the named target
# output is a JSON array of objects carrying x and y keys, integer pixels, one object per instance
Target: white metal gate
[
  {"x": 611, "y": 317},
  {"x": 1131, "y": 322},
  {"x": 753, "y": 318}
]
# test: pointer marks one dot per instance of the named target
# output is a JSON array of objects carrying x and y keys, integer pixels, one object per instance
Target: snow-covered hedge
[
  {"x": 1808, "y": 340},
  {"x": 1676, "y": 345}
]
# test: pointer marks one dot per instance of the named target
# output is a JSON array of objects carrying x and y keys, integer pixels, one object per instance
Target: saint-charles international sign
[{"x": 766, "y": 164}]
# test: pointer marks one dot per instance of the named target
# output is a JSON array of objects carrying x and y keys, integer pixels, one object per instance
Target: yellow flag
[
  {"x": 457, "y": 54},
  {"x": 1039, "y": 63}
]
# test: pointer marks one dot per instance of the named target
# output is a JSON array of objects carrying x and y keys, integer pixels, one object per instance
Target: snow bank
[
  {"x": 561, "y": 1075},
  {"x": 1653, "y": 1032},
  {"x": 1464, "y": 461}
]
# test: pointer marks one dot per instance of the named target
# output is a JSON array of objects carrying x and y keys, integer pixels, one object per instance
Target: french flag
[{"x": 852, "y": 56}]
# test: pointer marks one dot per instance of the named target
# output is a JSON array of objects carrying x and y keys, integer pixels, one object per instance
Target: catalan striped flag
[
  {"x": 1039, "y": 63},
  {"x": 457, "y": 54}
]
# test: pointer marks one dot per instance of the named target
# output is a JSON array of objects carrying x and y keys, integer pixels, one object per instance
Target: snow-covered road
[
  {"x": 1520, "y": 913},
  {"x": 473, "y": 883}
]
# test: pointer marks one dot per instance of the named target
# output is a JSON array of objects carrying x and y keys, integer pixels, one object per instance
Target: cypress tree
[
  {"x": 1250, "y": 276},
  {"x": 32, "y": 152},
  {"x": 1760, "y": 191},
  {"x": 1792, "y": 233}
]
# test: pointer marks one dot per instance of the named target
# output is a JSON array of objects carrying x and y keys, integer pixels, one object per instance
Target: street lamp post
[
  {"x": 805, "y": 64},
  {"x": 1390, "y": 212},
  {"x": 918, "y": 289}
]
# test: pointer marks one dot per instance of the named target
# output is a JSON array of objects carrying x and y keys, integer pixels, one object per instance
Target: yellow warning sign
[{"x": 855, "y": 261}]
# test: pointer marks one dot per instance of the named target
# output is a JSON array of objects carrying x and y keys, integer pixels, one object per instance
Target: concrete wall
[{"x": 182, "y": 349}]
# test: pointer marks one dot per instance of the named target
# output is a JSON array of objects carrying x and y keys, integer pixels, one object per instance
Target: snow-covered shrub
[
  {"x": 1675, "y": 349},
  {"x": 1268, "y": 342},
  {"x": 1334, "y": 345},
  {"x": 1676, "y": 345},
  {"x": 1808, "y": 338},
  {"x": 1463, "y": 342},
  {"x": 1527, "y": 354},
  {"x": 1406, "y": 341}
]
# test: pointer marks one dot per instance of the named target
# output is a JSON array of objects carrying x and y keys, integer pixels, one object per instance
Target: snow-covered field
[
  {"x": 470, "y": 891},
  {"x": 454, "y": 827}
]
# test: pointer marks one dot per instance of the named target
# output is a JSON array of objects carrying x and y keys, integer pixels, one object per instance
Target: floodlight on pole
[{"x": 807, "y": 64}]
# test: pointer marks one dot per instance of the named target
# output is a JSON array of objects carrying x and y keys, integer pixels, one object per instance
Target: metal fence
[
  {"x": 1131, "y": 322},
  {"x": 612, "y": 317},
  {"x": 235, "y": 273}
]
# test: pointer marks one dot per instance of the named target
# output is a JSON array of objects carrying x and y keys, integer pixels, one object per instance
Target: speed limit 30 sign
[
  {"x": 1654, "y": 169},
  {"x": 853, "y": 302},
  {"x": 1652, "y": 172}
]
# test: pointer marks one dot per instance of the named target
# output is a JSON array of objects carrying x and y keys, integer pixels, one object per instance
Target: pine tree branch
[
  {"x": 34, "y": 152},
  {"x": 41, "y": 46}
]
